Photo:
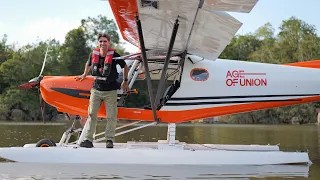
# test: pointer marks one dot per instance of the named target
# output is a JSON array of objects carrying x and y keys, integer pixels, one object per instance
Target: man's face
[{"x": 104, "y": 43}]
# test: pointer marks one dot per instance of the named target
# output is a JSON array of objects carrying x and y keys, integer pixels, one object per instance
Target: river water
[{"x": 290, "y": 138}]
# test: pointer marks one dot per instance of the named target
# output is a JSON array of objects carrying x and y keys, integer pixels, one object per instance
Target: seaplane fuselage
[{"x": 206, "y": 89}]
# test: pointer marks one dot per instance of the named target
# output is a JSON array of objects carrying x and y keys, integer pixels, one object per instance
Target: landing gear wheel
[{"x": 46, "y": 143}]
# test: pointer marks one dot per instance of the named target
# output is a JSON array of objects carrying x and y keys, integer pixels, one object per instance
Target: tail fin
[{"x": 307, "y": 64}]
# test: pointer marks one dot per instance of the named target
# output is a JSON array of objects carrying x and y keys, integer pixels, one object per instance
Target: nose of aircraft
[{"x": 46, "y": 83}]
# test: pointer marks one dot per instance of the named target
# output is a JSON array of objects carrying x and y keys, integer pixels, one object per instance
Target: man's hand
[
  {"x": 125, "y": 86},
  {"x": 81, "y": 77}
]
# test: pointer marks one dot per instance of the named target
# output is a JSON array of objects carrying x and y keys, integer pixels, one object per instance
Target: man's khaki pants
[{"x": 110, "y": 100}]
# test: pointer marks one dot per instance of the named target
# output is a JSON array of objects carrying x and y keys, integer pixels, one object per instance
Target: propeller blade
[
  {"x": 44, "y": 61},
  {"x": 42, "y": 107},
  {"x": 34, "y": 82},
  {"x": 28, "y": 85}
]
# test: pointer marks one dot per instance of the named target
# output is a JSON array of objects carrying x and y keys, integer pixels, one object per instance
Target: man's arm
[
  {"x": 88, "y": 65},
  {"x": 125, "y": 72},
  {"x": 124, "y": 84},
  {"x": 125, "y": 68},
  {"x": 86, "y": 70}
]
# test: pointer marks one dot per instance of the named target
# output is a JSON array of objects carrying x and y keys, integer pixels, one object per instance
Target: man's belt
[{"x": 101, "y": 78}]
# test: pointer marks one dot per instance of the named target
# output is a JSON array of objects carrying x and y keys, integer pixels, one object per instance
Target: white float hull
[{"x": 164, "y": 154}]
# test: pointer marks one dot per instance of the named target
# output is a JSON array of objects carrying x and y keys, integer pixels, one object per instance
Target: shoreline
[{"x": 32, "y": 123}]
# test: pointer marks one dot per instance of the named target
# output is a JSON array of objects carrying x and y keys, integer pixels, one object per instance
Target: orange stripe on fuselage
[
  {"x": 307, "y": 64},
  {"x": 189, "y": 115}
]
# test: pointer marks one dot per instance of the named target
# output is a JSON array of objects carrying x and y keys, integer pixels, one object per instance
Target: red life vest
[{"x": 106, "y": 69}]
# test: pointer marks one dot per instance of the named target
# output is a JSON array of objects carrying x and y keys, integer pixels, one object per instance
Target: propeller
[
  {"x": 34, "y": 83},
  {"x": 42, "y": 107}
]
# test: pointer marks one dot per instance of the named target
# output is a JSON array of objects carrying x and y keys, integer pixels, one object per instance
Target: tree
[
  {"x": 101, "y": 24},
  {"x": 267, "y": 50},
  {"x": 265, "y": 32},
  {"x": 24, "y": 65},
  {"x": 241, "y": 47},
  {"x": 294, "y": 34},
  {"x": 74, "y": 52}
]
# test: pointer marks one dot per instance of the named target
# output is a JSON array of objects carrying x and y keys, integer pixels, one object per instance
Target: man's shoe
[
  {"x": 109, "y": 144},
  {"x": 86, "y": 143}
]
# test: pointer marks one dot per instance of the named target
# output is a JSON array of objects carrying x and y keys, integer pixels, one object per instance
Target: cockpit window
[{"x": 199, "y": 74}]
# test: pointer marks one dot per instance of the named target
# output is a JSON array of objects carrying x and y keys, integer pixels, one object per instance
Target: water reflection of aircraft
[
  {"x": 184, "y": 38},
  {"x": 114, "y": 171}
]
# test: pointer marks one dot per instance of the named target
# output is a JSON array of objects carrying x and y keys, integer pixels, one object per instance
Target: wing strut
[
  {"x": 166, "y": 62},
  {"x": 145, "y": 63},
  {"x": 193, "y": 23}
]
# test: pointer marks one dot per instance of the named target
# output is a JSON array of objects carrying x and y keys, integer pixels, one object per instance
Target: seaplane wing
[{"x": 205, "y": 26}]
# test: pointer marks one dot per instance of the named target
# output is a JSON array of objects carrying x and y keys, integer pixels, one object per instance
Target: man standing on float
[{"x": 104, "y": 88}]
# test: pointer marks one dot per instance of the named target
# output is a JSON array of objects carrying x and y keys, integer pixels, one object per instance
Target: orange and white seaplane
[{"x": 182, "y": 39}]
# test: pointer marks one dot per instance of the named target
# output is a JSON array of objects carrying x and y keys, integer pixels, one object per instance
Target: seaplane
[{"x": 182, "y": 41}]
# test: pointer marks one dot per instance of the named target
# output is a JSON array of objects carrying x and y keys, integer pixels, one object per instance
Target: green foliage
[
  {"x": 101, "y": 24},
  {"x": 241, "y": 47},
  {"x": 74, "y": 51}
]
